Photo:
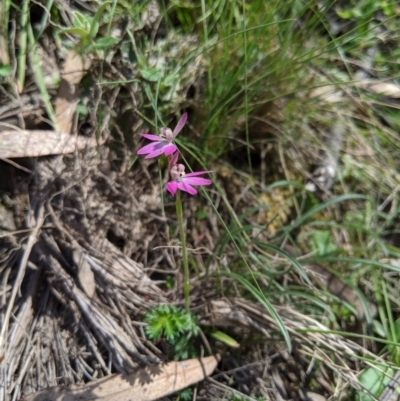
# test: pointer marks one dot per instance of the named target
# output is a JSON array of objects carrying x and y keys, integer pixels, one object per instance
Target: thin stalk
[
  {"x": 205, "y": 32},
  {"x": 37, "y": 69},
  {"x": 45, "y": 18},
  {"x": 4, "y": 17},
  {"x": 246, "y": 97},
  {"x": 22, "y": 46},
  {"x": 186, "y": 285}
]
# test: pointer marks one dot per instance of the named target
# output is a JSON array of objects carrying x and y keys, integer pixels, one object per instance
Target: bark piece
[
  {"x": 147, "y": 384},
  {"x": 33, "y": 143}
]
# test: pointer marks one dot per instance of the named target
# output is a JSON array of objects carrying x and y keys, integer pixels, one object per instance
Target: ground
[{"x": 292, "y": 251}]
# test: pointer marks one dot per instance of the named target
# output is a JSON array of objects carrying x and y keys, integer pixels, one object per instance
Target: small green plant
[
  {"x": 87, "y": 28},
  {"x": 323, "y": 242},
  {"x": 176, "y": 326},
  {"x": 364, "y": 10},
  {"x": 185, "y": 395}
]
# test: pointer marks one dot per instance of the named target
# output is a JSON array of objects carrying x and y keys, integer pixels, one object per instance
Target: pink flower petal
[
  {"x": 169, "y": 149},
  {"x": 173, "y": 160},
  {"x": 181, "y": 124},
  {"x": 196, "y": 181},
  {"x": 187, "y": 188},
  {"x": 197, "y": 173},
  {"x": 172, "y": 187},
  {"x": 151, "y": 137},
  {"x": 156, "y": 152},
  {"x": 147, "y": 149}
]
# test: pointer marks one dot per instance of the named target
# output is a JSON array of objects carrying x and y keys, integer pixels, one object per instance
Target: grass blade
[
  {"x": 264, "y": 302},
  {"x": 22, "y": 46},
  {"x": 39, "y": 76}
]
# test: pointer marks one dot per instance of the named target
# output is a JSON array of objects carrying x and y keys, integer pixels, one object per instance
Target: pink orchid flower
[
  {"x": 163, "y": 143},
  {"x": 183, "y": 181}
]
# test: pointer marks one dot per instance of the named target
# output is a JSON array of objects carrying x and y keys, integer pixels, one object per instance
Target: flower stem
[{"x": 179, "y": 213}]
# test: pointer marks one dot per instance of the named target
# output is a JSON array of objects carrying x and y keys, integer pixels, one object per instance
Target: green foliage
[
  {"x": 364, "y": 10},
  {"x": 366, "y": 18},
  {"x": 258, "y": 294},
  {"x": 169, "y": 321},
  {"x": 322, "y": 241},
  {"x": 177, "y": 326},
  {"x": 5, "y": 70},
  {"x": 224, "y": 338},
  {"x": 374, "y": 379},
  {"x": 185, "y": 395},
  {"x": 86, "y": 27},
  {"x": 394, "y": 336},
  {"x": 170, "y": 282}
]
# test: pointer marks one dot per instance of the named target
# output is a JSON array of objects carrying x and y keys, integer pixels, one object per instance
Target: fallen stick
[{"x": 146, "y": 384}]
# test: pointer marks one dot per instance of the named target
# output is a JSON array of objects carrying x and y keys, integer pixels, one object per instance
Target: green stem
[
  {"x": 22, "y": 45},
  {"x": 186, "y": 285}
]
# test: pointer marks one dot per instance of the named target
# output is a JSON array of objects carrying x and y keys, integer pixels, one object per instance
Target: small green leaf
[
  {"x": 5, "y": 70},
  {"x": 378, "y": 328},
  {"x": 345, "y": 14},
  {"x": 201, "y": 214},
  {"x": 105, "y": 43},
  {"x": 185, "y": 395},
  {"x": 96, "y": 20},
  {"x": 81, "y": 21},
  {"x": 150, "y": 74},
  {"x": 82, "y": 110},
  {"x": 322, "y": 240},
  {"x": 170, "y": 282},
  {"x": 374, "y": 380},
  {"x": 224, "y": 338},
  {"x": 396, "y": 331},
  {"x": 170, "y": 80},
  {"x": 75, "y": 31}
]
